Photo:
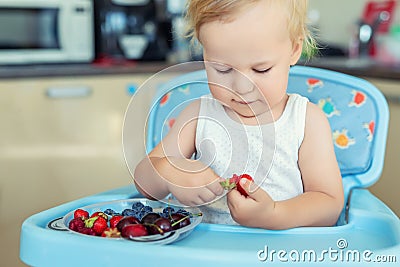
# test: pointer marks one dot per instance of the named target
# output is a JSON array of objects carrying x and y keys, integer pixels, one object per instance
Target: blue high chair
[{"x": 366, "y": 234}]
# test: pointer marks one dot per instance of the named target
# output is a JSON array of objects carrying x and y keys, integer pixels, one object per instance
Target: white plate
[{"x": 120, "y": 205}]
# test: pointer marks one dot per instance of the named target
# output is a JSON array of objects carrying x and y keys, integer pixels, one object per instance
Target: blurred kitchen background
[{"x": 68, "y": 70}]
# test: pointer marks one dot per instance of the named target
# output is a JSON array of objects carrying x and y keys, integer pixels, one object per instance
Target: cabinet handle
[{"x": 68, "y": 92}]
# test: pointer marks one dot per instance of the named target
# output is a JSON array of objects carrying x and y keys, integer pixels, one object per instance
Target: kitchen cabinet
[
  {"x": 60, "y": 140},
  {"x": 387, "y": 187}
]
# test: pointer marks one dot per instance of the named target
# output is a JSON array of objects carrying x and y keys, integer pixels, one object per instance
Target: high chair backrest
[{"x": 356, "y": 109}]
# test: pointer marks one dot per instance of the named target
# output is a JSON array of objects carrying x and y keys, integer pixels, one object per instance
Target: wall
[{"x": 337, "y": 18}]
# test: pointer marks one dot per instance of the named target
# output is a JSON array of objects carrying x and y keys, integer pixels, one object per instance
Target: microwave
[{"x": 46, "y": 31}]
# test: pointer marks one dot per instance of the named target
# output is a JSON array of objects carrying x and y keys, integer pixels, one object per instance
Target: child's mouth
[{"x": 243, "y": 102}]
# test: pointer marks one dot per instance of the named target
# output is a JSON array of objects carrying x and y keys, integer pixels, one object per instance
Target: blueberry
[
  {"x": 183, "y": 212},
  {"x": 128, "y": 212},
  {"x": 141, "y": 214},
  {"x": 110, "y": 212},
  {"x": 147, "y": 209},
  {"x": 137, "y": 205},
  {"x": 168, "y": 210}
]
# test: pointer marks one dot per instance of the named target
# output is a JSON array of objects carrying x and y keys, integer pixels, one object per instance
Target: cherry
[
  {"x": 179, "y": 220},
  {"x": 134, "y": 230},
  {"x": 164, "y": 224},
  {"x": 160, "y": 226},
  {"x": 149, "y": 218},
  {"x": 127, "y": 220}
]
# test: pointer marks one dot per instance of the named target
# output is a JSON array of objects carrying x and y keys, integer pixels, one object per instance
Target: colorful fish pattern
[
  {"x": 185, "y": 89},
  {"x": 328, "y": 107},
  {"x": 359, "y": 99},
  {"x": 342, "y": 139},
  {"x": 164, "y": 100},
  {"x": 370, "y": 126},
  {"x": 313, "y": 83}
]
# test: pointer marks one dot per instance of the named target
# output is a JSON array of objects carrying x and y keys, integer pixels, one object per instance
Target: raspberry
[
  {"x": 76, "y": 224},
  {"x": 87, "y": 231}
]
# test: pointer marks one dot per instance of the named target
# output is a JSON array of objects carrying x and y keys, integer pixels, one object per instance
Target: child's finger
[
  {"x": 216, "y": 188},
  {"x": 251, "y": 189}
]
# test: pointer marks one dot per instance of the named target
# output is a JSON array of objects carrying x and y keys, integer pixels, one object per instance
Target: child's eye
[
  {"x": 226, "y": 71},
  {"x": 262, "y": 71}
]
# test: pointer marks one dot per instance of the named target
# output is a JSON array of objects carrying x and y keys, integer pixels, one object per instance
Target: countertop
[
  {"x": 356, "y": 67},
  {"x": 83, "y": 69}
]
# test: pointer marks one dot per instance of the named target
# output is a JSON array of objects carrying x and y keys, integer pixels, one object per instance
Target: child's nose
[{"x": 242, "y": 84}]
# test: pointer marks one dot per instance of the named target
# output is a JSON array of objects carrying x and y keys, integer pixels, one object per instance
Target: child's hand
[
  {"x": 195, "y": 184},
  {"x": 252, "y": 210},
  {"x": 194, "y": 193}
]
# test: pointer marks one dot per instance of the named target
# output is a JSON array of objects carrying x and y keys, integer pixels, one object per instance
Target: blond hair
[{"x": 199, "y": 12}]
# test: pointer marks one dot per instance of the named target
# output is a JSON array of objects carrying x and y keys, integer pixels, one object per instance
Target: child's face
[{"x": 255, "y": 44}]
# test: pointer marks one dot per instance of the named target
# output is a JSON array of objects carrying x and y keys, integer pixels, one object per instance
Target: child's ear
[{"x": 297, "y": 48}]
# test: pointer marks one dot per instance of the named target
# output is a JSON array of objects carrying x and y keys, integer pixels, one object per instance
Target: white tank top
[{"x": 269, "y": 152}]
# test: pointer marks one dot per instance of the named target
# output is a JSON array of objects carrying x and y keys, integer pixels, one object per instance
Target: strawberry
[
  {"x": 111, "y": 232},
  {"x": 98, "y": 224},
  {"x": 230, "y": 183},
  {"x": 239, "y": 187},
  {"x": 99, "y": 213},
  {"x": 233, "y": 182},
  {"x": 80, "y": 213},
  {"x": 115, "y": 220}
]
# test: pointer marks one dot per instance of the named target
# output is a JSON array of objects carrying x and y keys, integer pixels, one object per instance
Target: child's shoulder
[
  {"x": 191, "y": 110},
  {"x": 316, "y": 120},
  {"x": 311, "y": 109}
]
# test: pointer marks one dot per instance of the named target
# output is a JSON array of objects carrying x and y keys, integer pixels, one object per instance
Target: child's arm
[
  {"x": 169, "y": 169},
  {"x": 322, "y": 201}
]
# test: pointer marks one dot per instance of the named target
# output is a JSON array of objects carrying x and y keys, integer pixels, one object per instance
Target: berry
[
  {"x": 98, "y": 224},
  {"x": 168, "y": 210},
  {"x": 137, "y": 206},
  {"x": 134, "y": 230},
  {"x": 140, "y": 214},
  {"x": 128, "y": 212},
  {"x": 125, "y": 221},
  {"x": 115, "y": 220},
  {"x": 146, "y": 209},
  {"x": 164, "y": 224},
  {"x": 233, "y": 182},
  {"x": 99, "y": 213},
  {"x": 139, "y": 221},
  {"x": 111, "y": 232},
  {"x": 87, "y": 231},
  {"x": 178, "y": 221},
  {"x": 76, "y": 224},
  {"x": 111, "y": 212},
  {"x": 183, "y": 212},
  {"x": 239, "y": 187},
  {"x": 234, "y": 179},
  {"x": 80, "y": 213},
  {"x": 149, "y": 218}
]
